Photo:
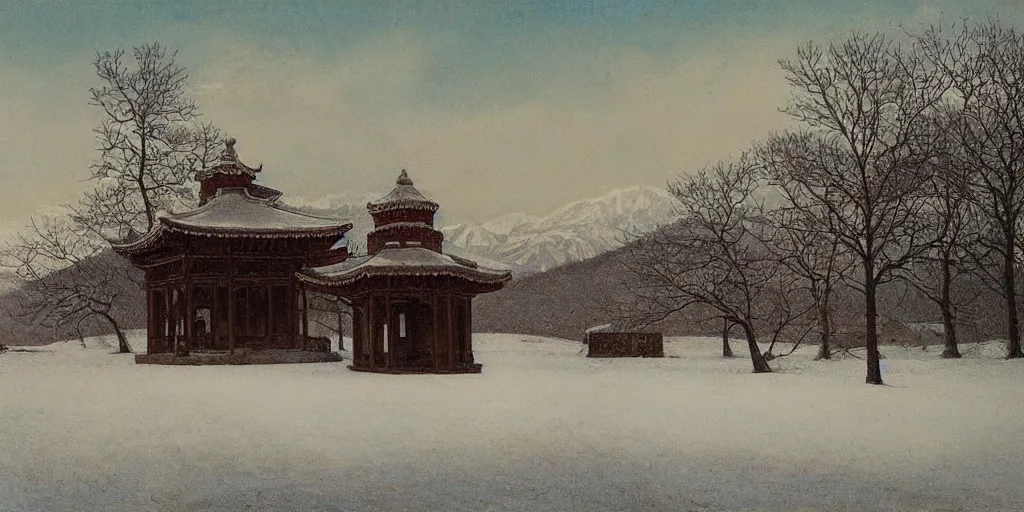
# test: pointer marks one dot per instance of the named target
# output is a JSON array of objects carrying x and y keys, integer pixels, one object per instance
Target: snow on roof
[
  {"x": 404, "y": 195},
  {"x": 396, "y": 225},
  {"x": 403, "y": 261},
  {"x": 235, "y": 210},
  {"x": 458, "y": 253}
]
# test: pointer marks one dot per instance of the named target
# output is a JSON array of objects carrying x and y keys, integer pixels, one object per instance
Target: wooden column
[
  {"x": 451, "y": 331},
  {"x": 189, "y": 305},
  {"x": 371, "y": 328},
  {"x": 293, "y": 306},
  {"x": 270, "y": 311},
  {"x": 231, "y": 300},
  {"x": 356, "y": 334},
  {"x": 292, "y": 301},
  {"x": 149, "y": 320},
  {"x": 434, "y": 321},
  {"x": 467, "y": 321},
  {"x": 391, "y": 335},
  {"x": 305, "y": 318},
  {"x": 165, "y": 329},
  {"x": 214, "y": 316}
]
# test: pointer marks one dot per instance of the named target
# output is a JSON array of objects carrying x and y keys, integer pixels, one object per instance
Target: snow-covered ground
[{"x": 543, "y": 428}]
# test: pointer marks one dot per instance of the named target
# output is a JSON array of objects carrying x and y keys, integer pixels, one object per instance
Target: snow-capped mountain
[
  {"x": 351, "y": 207},
  {"x": 575, "y": 232},
  {"x": 529, "y": 244}
]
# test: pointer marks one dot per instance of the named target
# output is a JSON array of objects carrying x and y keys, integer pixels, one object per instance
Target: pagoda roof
[
  {"x": 228, "y": 163},
  {"x": 404, "y": 195},
  {"x": 235, "y": 212},
  {"x": 403, "y": 261}
]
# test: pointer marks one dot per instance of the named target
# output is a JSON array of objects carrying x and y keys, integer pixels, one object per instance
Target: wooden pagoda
[
  {"x": 412, "y": 304},
  {"x": 222, "y": 277}
]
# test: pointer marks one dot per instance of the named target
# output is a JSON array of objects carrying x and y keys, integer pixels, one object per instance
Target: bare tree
[
  {"x": 711, "y": 259},
  {"x": 150, "y": 142},
  {"x": 67, "y": 279},
  {"x": 813, "y": 255},
  {"x": 863, "y": 156},
  {"x": 985, "y": 64},
  {"x": 940, "y": 273},
  {"x": 335, "y": 305},
  {"x": 338, "y": 306}
]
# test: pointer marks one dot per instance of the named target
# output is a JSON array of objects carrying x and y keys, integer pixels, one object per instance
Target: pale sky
[{"x": 492, "y": 106}]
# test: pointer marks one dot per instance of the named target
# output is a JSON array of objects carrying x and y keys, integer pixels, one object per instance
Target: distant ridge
[{"x": 575, "y": 232}]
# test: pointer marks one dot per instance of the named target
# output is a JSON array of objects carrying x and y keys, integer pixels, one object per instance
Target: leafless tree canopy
[
  {"x": 66, "y": 281},
  {"x": 150, "y": 142},
  {"x": 712, "y": 258},
  {"x": 863, "y": 155},
  {"x": 814, "y": 256},
  {"x": 985, "y": 66}
]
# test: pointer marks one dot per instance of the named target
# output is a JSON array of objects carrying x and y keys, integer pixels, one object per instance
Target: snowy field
[{"x": 543, "y": 428}]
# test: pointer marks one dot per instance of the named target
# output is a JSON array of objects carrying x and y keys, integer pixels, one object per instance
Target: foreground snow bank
[{"x": 543, "y": 428}]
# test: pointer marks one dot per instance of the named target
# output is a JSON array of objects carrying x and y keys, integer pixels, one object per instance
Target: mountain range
[
  {"x": 529, "y": 244},
  {"x": 575, "y": 232}
]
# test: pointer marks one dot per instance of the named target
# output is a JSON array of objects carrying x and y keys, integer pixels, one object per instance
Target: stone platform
[{"x": 241, "y": 356}]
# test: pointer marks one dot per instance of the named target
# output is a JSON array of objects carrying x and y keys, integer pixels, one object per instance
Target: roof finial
[
  {"x": 229, "y": 154},
  {"x": 403, "y": 178}
]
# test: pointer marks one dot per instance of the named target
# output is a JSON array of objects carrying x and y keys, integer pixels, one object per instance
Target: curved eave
[
  {"x": 249, "y": 232},
  {"x": 362, "y": 272},
  {"x": 235, "y": 212},
  {"x": 403, "y": 225},
  {"x": 230, "y": 168},
  {"x": 402, "y": 205},
  {"x": 142, "y": 243},
  {"x": 153, "y": 238}
]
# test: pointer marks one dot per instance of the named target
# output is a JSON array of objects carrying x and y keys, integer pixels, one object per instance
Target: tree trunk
[
  {"x": 726, "y": 349},
  {"x": 1013, "y": 349},
  {"x": 951, "y": 351},
  {"x": 760, "y": 363},
  {"x": 122, "y": 342},
  {"x": 824, "y": 347},
  {"x": 141, "y": 181},
  {"x": 871, "y": 325}
]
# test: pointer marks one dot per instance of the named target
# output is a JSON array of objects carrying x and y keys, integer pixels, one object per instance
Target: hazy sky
[{"x": 492, "y": 106}]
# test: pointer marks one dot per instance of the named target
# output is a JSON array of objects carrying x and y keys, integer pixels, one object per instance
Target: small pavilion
[
  {"x": 411, "y": 303},
  {"x": 222, "y": 277}
]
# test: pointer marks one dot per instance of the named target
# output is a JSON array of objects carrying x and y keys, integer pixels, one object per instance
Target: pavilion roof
[
  {"x": 228, "y": 163},
  {"x": 235, "y": 212},
  {"x": 403, "y": 261},
  {"x": 404, "y": 195}
]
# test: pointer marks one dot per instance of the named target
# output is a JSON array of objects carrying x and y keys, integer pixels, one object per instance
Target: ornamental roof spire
[
  {"x": 228, "y": 164},
  {"x": 403, "y": 179},
  {"x": 403, "y": 197},
  {"x": 229, "y": 154}
]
